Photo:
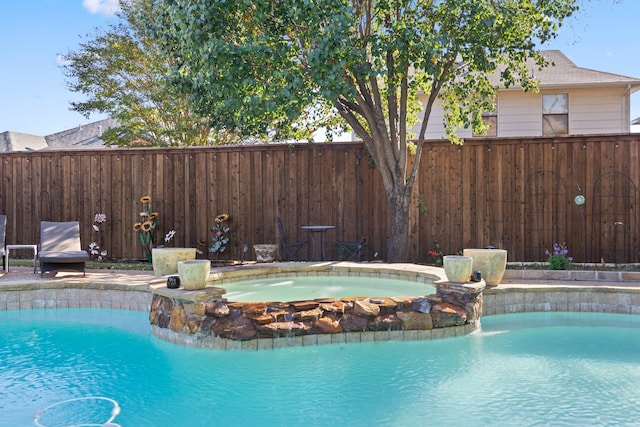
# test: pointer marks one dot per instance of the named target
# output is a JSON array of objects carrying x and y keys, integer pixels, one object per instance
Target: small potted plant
[{"x": 266, "y": 252}]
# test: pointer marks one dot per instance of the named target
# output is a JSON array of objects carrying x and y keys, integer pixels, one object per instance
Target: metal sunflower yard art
[
  {"x": 220, "y": 238},
  {"x": 146, "y": 226}
]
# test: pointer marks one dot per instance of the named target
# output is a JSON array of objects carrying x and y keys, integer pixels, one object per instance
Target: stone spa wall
[{"x": 206, "y": 319}]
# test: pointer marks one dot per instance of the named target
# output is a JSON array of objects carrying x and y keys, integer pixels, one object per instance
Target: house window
[
  {"x": 555, "y": 114},
  {"x": 490, "y": 119}
]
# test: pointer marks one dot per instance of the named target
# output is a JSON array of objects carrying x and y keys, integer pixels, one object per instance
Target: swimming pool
[{"x": 523, "y": 369}]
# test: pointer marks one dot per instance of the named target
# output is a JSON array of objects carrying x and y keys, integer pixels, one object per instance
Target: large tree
[
  {"x": 256, "y": 66},
  {"x": 123, "y": 73}
]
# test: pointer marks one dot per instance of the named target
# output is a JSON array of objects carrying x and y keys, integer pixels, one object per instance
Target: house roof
[
  {"x": 85, "y": 136},
  {"x": 562, "y": 72},
  {"x": 16, "y": 141}
]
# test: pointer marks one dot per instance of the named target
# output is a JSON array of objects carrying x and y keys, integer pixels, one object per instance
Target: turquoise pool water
[
  {"x": 301, "y": 288},
  {"x": 572, "y": 369}
]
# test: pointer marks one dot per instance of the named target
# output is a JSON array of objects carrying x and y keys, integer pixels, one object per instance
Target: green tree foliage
[
  {"x": 256, "y": 66},
  {"x": 123, "y": 73}
]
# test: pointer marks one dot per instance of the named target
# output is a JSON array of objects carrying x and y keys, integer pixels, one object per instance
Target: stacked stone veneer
[{"x": 206, "y": 319}]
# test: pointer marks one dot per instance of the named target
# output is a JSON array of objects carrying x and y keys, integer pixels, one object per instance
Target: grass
[
  {"x": 94, "y": 265},
  {"x": 112, "y": 265},
  {"x": 131, "y": 265}
]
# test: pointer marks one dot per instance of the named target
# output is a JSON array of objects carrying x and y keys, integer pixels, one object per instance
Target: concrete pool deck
[
  {"x": 519, "y": 291},
  {"x": 24, "y": 276},
  {"x": 18, "y": 276}
]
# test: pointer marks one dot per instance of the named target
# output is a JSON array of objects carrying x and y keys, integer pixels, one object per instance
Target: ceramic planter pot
[
  {"x": 165, "y": 260},
  {"x": 458, "y": 268},
  {"x": 265, "y": 253},
  {"x": 194, "y": 273},
  {"x": 491, "y": 263}
]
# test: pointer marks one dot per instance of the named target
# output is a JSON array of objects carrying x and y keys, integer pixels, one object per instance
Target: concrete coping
[
  {"x": 401, "y": 270},
  {"x": 195, "y": 296},
  {"x": 283, "y": 269},
  {"x": 222, "y": 275},
  {"x": 577, "y": 275},
  {"x": 467, "y": 288},
  {"x": 73, "y": 284}
]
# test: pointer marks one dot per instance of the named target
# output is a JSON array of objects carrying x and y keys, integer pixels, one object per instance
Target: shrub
[
  {"x": 437, "y": 256},
  {"x": 559, "y": 259}
]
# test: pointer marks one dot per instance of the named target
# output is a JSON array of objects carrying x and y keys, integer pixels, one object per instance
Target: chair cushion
[
  {"x": 63, "y": 257},
  {"x": 60, "y": 236}
]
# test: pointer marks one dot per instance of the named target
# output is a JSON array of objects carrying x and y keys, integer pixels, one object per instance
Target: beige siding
[
  {"x": 435, "y": 127},
  {"x": 519, "y": 114},
  {"x": 591, "y": 111},
  {"x": 598, "y": 110}
]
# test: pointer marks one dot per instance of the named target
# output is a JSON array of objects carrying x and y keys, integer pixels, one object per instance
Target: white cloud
[
  {"x": 61, "y": 60},
  {"x": 103, "y": 7}
]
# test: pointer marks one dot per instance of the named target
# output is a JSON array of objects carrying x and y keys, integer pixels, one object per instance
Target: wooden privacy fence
[{"x": 517, "y": 194}]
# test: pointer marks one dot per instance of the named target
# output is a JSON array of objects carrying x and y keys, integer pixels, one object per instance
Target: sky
[{"x": 35, "y": 34}]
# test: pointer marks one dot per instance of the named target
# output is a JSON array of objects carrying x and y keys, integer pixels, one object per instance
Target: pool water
[
  {"x": 528, "y": 369},
  {"x": 311, "y": 287}
]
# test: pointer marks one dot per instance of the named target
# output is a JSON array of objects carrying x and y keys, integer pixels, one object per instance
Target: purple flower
[{"x": 559, "y": 259}]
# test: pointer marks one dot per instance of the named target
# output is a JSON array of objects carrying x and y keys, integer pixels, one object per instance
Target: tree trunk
[{"x": 399, "y": 201}]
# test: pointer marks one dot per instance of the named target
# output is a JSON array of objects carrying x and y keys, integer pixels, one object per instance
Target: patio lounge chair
[
  {"x": 291, "y": 249},
  {"x": 351, "y": 251},
  {"x": 60, "y": 248}
]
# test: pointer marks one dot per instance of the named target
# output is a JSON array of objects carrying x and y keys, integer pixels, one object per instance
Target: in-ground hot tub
[
  {"x": 309, "y": 287},
  {"x": 399, "y": 303}
]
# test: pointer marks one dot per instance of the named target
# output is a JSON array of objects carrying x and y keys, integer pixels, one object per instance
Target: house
[
  {"x": 17, "y": 141},
  {"x": 571, "y": 101},
  {"x": 85, "y": 136}
]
